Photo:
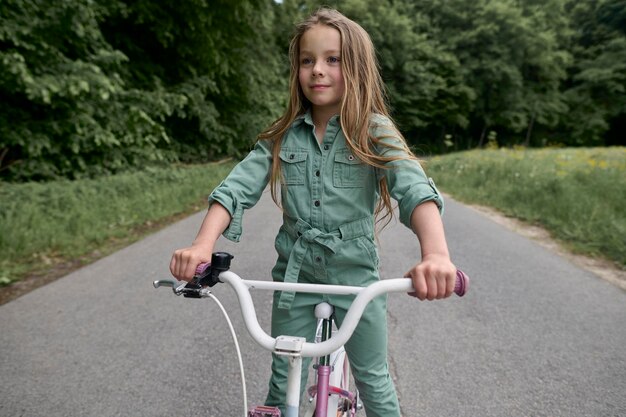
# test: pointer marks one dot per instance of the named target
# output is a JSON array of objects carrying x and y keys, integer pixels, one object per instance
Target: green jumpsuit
[{"x": 329, "y": 198}]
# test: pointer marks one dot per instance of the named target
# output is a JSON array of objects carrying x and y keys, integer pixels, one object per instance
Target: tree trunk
[
  {"x": 482, "y": 136},
  {"x": 529, "y": 131}
]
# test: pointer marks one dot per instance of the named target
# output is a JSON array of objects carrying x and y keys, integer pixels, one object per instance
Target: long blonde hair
[{"x": 364, "y": 96}]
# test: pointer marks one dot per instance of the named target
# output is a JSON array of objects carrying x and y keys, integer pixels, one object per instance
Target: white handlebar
[{"x": 363, "y": 296}]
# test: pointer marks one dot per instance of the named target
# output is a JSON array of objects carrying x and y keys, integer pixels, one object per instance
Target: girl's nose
[{"x": 318, "y": 70}]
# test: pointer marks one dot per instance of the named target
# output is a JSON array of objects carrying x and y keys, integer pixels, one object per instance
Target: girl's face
[{"x": 319, "y": 71}]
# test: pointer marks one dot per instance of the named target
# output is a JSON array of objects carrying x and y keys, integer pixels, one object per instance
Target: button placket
[{"x": 316, "y": 183}]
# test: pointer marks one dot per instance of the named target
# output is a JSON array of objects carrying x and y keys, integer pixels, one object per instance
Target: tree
[
  {"x": 64, "y": 108},
  {"x": 424, "y": 80},
  {"x": 544, "y": 67},
  {"x": 596, "y": 89},
  {"x": 219, "y": 55},
  {"x": 511, "y": 57},
  {"x": 90, "y": 88}
]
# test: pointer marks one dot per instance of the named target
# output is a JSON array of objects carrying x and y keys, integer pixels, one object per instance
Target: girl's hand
[
  {"x": 185, "y": 261},
  {"x": 433, "y": 278}
]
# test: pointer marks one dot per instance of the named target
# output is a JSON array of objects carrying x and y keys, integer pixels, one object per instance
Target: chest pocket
[
  {"x": 348, "y": 171},
  {"x": 293, "y": 166}
]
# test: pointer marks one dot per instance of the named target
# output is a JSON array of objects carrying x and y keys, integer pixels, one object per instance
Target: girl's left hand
[{"x": 433, "y": 278}]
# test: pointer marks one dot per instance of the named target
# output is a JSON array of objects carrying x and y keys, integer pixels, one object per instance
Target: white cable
[{"x": 232, "y": 331}]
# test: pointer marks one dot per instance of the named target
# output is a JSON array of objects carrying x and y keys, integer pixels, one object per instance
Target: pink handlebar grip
[
  {"x": 202, "y": 267},
  {"x": 462, "y": 283}
]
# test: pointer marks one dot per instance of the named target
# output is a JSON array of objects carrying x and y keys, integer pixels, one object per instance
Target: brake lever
[
  {"x": 189, "y": 290},
  {"x": 168, "y": 283}
]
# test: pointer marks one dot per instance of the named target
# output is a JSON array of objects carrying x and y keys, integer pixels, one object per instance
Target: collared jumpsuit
[{"x": 329, "y": 198}]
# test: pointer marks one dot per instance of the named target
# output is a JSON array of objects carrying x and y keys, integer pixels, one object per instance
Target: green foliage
[
  {"x": 93, "y": 87},
  {"x": 577, "y": 194},
  {"x": 64, "y": 108},
  {"x": 511, "y": 59},
  {"x": 424, "y": 79},
  {"x": 219, "y": 55},
  {"x": 44, "y": 223},
  {"x": 596, "y": 92}
]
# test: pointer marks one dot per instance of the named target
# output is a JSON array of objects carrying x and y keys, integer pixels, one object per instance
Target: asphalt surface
[{"x": 535, "y": 335}]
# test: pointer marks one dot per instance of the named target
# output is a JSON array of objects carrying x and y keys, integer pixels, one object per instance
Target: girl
[{"x": 338, "y": 160}]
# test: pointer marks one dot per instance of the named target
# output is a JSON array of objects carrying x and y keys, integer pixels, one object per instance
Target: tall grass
[
  {"x": 577, "y": 194},
  {"x": 44, "y": 223}
]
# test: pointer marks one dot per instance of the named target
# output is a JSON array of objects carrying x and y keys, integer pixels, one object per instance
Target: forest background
[
  {"x": 94, "y": 87},
  {"x": 113, "y": 113}
]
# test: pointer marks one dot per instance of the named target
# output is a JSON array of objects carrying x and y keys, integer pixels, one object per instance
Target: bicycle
[{"x": 331, "y": 392}]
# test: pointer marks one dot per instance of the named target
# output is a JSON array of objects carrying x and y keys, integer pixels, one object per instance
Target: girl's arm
[
  {"x": 241, "y": 190},
  {"x": 434, "y": 277},
  {"x": 184, "y": 261}
]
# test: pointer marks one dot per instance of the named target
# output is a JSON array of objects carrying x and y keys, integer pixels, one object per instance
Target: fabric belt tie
[{"x": 306, "y": 236}]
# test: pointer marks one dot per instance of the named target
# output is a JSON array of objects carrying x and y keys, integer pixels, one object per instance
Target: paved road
[{"x": 536, "y": 336}]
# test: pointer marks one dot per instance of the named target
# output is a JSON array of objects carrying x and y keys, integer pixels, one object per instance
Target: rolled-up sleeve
[
  {"x": 411, "y": 190},
  {"x": 242, "y": 188},
  {"x": 406, "y": 180}
]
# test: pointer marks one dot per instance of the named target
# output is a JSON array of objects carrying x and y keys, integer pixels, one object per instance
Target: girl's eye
[
  {"x": 306, "y": 61},
  {"x": 334, "y": 59}
]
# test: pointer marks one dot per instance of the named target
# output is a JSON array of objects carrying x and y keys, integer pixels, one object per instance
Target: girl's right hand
[{"x": 185, "y": 261}]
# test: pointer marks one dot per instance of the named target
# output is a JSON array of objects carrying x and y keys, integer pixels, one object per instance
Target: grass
[
  {"x": 43, "y": 225},
  {"x": 578, "y": 194}
]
